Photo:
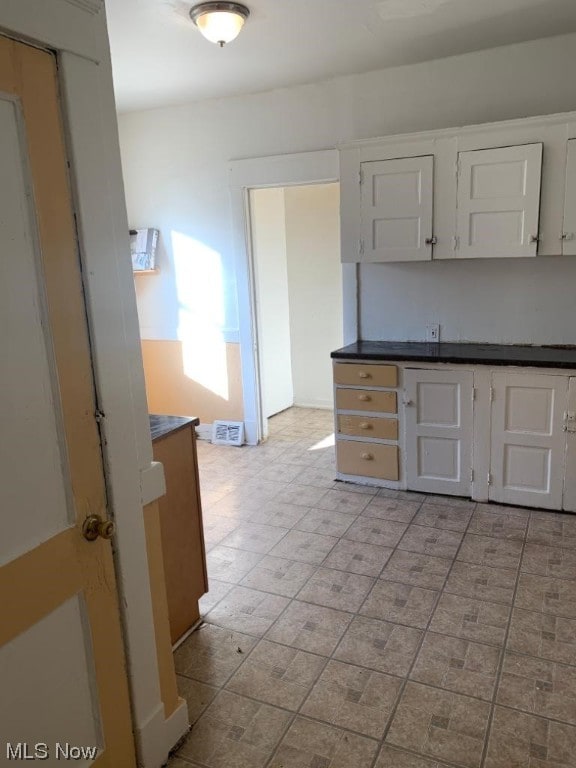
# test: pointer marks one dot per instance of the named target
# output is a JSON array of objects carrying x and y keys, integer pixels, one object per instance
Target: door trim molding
[
  {"x": 76, "y": 30},
  {"x": 316, "y": 167}
]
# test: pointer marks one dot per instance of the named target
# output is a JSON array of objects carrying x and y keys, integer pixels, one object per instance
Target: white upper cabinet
[
  {"x": 396, "y": 209},
  {"x": 498, "y": 203},
  {"x": 568, "y": 234},
  {"x": 499, "y": 190}
]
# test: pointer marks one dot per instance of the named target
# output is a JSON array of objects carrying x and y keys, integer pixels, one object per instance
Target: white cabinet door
[
  {"x": 527, "y": 439},
  {"x": 569, "y": 226},
  {"x": 498, "y": 202},
  {"x": 396, "y": 209},
  {"x": 569, "y": 503},
  {"x": 438, "y": 417}
]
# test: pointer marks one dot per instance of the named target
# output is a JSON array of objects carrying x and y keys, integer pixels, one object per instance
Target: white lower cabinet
[
  {"x": 502, "y": 435},
  {"x": 528, "y": 440},
  {"x": 570, "y": 423},
  {"x": 438, "y": 419}
]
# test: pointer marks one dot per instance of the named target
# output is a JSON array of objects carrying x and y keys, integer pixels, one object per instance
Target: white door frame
[
  {"x": 319, "y": 167},
  {"x": 76, "y": 30}
]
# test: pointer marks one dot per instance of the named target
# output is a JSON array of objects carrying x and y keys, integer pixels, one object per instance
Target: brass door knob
[
  {"x": 367, "y": 456},
  {"x": 365, "y": 425},
  {"x": 364, "y": 398},
  {"x": 95, "y": 527},
  {"x": 364, "y": 375}
]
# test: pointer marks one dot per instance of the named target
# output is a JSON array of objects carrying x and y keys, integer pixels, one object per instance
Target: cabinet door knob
[
  {"x": 431, "y": 240},
  {"x": 367, "y": 456},
  {"x": 365, "y": 425},
  {"x": 534, "y": 238},
  {"x": 364, "y": 398},
  {"x": 363, "y": 375},
  {"x": 408, "y": 402}
]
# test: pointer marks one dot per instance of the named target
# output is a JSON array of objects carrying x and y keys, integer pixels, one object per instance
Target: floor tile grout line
[
  {"x": 401, "y": 624},
  {"x": 311, "y": 687},
  {"x": 333, "y": 657},
  {"x": 379, "y": 577},
  {"x": 441, "y": 591},
  {"x": 404, "y": 680},
  {"x": 418, "y": 650},
  {"x": 493, "y": 702}
]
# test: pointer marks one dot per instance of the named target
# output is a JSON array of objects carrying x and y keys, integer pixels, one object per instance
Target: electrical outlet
[{"x": 432, "y": 332}]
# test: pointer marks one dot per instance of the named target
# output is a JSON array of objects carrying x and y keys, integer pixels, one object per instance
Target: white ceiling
[{"x": 160, "y": 58}]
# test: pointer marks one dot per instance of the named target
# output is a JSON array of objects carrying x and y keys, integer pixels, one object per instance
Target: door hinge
[
  {"x": 455, "y": 242},
  {"x": 360, "y": 177},
  {"x": 99, "y": 416},
  {"x": 361, "y": 247},
  {"x": 458, "y": 168},
  {"x": 491, "y": 394},
  {"x": 471, "y": 475},
  {"x": 473, "y": 394},
  {"x": 489, "y": 478}
]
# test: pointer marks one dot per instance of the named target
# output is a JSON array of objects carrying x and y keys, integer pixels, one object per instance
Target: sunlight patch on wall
[{"x": 200, "y": 291}]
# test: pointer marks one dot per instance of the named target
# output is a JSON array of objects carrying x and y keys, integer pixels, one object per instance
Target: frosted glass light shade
[{"x": 219, "y": 22}]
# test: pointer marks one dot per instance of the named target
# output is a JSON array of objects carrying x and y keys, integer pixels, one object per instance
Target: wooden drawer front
[
  {"x": 371, "y": 375},
  {"x": 367, "y": 426},
  {"x": 367, "y": 459},
  {"x": 366, "y": 400}
]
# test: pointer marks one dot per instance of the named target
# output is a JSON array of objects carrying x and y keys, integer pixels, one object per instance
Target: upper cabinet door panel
[
  {"x": 396, "y": 209},
  {"x": 498, "y": 202},
  {"x": 569, "y": 227}
]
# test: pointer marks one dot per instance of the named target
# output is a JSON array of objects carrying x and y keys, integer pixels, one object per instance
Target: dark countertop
[
  {"x": 457, "y": 352},
  {"x": 160, "y": 426}
]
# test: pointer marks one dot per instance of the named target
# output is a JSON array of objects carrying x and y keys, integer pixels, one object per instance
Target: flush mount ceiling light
[{"x": 219, "y": 22}]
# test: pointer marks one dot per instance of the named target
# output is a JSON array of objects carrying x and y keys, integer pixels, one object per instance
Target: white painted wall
[
  {"x": 268, "y": 225},
  {"x": 315, "y": 289},
  {"x": 176, "y": 173},
  {"x": 510, "y": 301}
]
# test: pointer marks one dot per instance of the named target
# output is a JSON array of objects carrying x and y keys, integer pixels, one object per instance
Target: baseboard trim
[
  {"x": 323, "y": 405},
  {"x": 160, "y": 734}
]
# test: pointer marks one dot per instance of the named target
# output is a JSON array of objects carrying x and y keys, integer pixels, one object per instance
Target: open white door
[
  {"x": 268, "y": 229},
  {"x": 63, "y": 692},
  {"x": 438, "y": 414}
]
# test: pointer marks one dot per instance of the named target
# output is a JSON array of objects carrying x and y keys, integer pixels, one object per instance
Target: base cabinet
[
  {"x": 503, "y": 435},
  {"x": 528, "y": 440},
  {"x": 438, "y": 424},
  {"x": 182, "y": 532}
]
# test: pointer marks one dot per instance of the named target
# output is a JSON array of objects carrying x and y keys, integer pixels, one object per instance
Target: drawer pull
[
  {"x": 367, "y": 456},
  {"x": 363, "y": 375},
  {"x": 365, "y": 425},
  {"x": 364, "y": 398}
]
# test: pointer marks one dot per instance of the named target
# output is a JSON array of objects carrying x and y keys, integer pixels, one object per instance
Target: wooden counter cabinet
[{"x": 181, "y": 522}]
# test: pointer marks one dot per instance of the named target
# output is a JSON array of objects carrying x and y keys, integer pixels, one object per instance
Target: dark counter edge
[
  {"x": 459, "y": 352},
  {"x": 160, "y": 425}
]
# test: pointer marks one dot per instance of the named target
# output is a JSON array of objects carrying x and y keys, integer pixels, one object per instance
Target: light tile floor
[{"x": 348, "y": 627}]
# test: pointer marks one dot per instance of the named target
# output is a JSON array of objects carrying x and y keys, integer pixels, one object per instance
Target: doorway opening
[{"x": 297, "y": 290}]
